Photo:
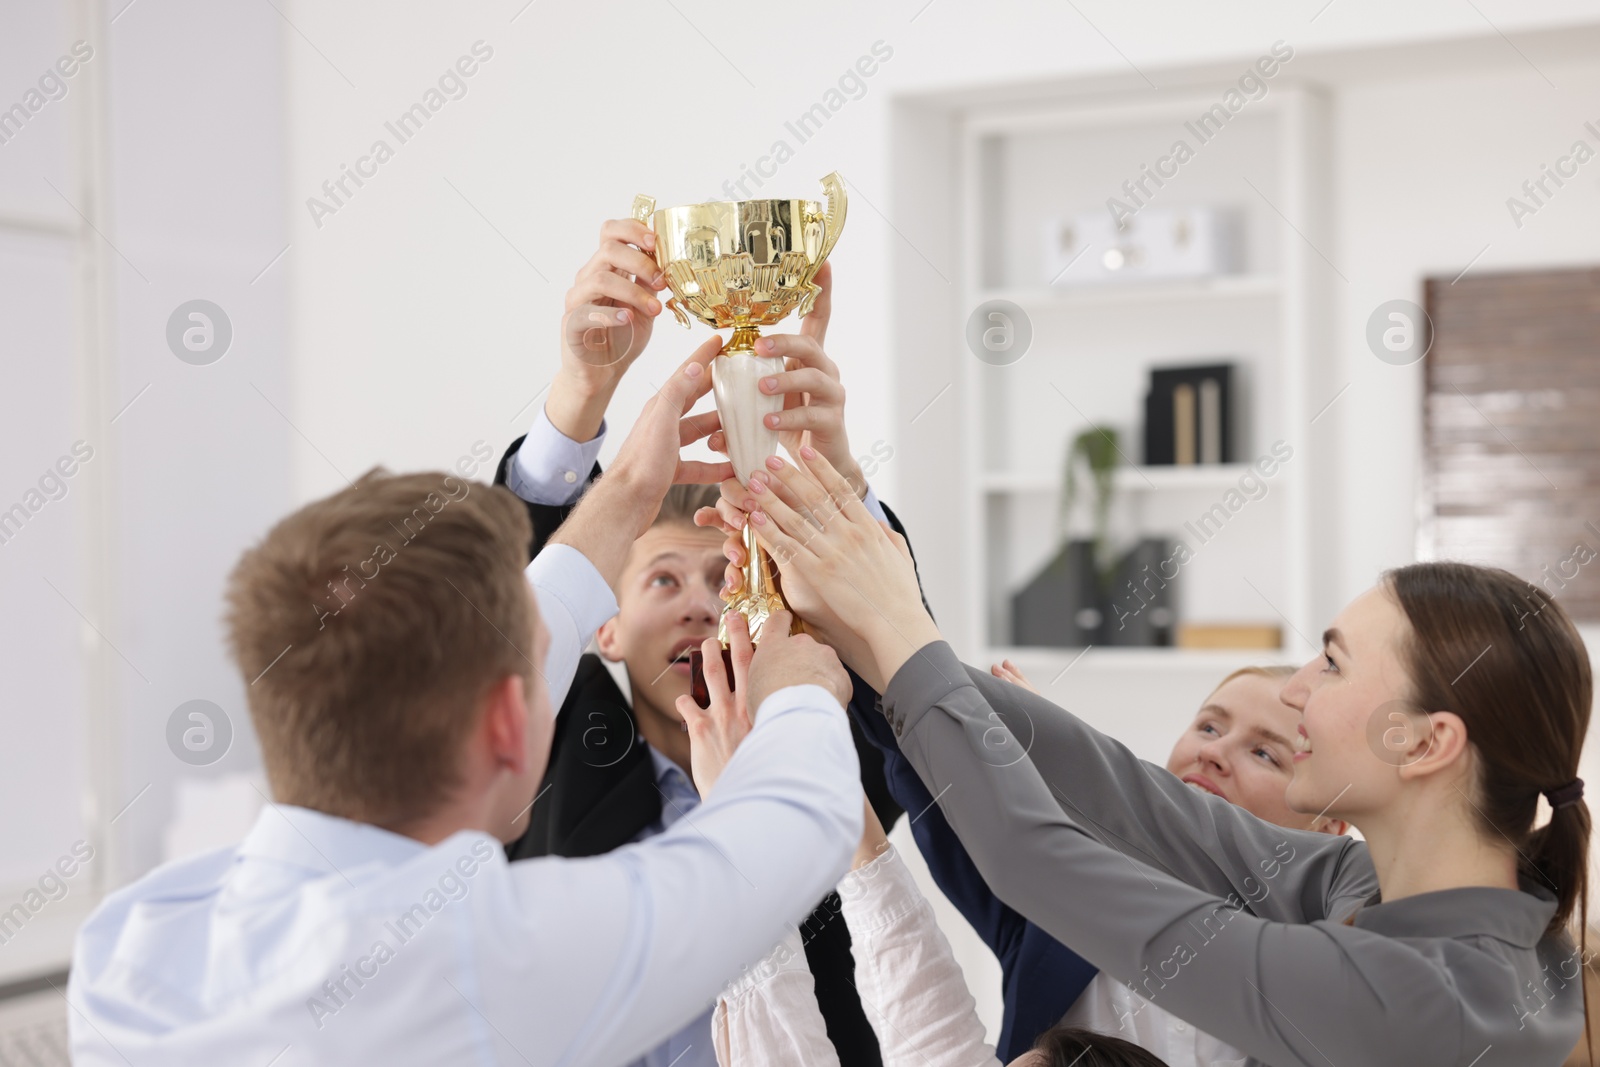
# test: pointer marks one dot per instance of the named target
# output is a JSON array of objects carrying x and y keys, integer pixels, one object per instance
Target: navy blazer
[{"x": 1040, "y": 977}]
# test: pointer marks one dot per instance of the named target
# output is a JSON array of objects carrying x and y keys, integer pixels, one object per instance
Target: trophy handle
[
  {"x": 833, "y": 223},
  {"x": 832, "y": 226},
  {"x": 643, "y": 208}
]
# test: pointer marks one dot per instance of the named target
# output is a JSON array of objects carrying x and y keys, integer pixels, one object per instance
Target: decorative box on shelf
[{"x": 1156, "y": 243}]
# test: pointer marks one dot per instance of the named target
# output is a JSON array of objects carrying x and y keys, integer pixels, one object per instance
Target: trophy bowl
[{"x": 741, "y": 265}]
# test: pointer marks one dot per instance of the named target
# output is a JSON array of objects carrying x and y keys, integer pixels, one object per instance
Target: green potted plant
[
  {"x": 1094, "y": 448},
  {"x": 1064, "y": 604},
  {"x": 1090, "y": 593}
]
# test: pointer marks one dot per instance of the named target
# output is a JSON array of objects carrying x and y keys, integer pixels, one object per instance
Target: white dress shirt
[
  {"x": 324, "y": 941},
  {"x": 910, "y": 984},
  {"x": 551, "y": 468}
]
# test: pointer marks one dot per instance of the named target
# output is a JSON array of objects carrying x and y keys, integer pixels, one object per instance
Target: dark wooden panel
[{"x": 1512, "y": 427}]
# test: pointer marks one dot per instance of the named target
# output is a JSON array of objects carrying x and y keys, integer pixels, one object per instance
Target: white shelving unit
[{"x": 1016, "y": 164}]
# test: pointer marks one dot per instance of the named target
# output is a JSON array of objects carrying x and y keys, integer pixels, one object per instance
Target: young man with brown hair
[
  {"x": 370, "y": 916},
  {"x": 619, "y": 768}
]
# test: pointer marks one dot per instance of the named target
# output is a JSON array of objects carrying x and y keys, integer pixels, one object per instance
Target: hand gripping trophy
[{"x": 744, "y": 264}]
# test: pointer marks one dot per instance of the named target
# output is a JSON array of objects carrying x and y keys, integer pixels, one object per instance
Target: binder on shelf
[{"x": 1188, "y": 416}]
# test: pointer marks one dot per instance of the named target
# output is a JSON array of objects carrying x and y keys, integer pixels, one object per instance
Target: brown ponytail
[{"x": 1503, "y": 655}]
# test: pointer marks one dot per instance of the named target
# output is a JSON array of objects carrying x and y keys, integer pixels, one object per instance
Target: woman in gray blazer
[{"x": 1447, "y": 700}]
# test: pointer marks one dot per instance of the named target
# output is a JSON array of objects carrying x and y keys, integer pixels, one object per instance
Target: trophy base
[{"x": 697, "y": 675}]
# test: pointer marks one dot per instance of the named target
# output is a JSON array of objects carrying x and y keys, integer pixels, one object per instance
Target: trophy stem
[
  {"x": 759, "y": 597},
  {"x": 735, "y": 375},
  {"x": 743, "y": 340},
  {"x": 756, "y": 601}
]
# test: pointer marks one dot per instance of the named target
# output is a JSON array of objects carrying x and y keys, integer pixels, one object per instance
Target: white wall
[
  {"x": 1424, "y": 170},
  {"x": 195, "y": 175},
  {"x": 157, "y": 179},
  {"x": 418, "y": 328}
]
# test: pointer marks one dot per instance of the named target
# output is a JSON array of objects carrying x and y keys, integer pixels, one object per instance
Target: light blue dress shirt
[
  {"x": 690, "y": 1046},
  {"x": 322, "y": 941}
]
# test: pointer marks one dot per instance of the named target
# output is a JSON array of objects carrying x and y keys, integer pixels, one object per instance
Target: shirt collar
[
  {"x": 664, "y": 767},
  {"x": 1517, "y": 917},
  {"x": 316, "y": 841}
]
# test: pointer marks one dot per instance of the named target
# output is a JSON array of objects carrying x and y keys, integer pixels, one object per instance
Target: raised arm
[
  {"x": 573, "y": 603},
  {"x": 575, "y": 584},
  {"x": 871, "y": 610},
  {"x": 1308, "y": 993},
  {"x": 910, "y": 985},
  {"x": 609, "y": 315},
  {"x": 769, "y": 1017},
  {"x": 681, "y": 913},
  {"x": 1147, "y": 813},
  {"x": 952, "y": 869},
  {"x": 714, "y": 916}
]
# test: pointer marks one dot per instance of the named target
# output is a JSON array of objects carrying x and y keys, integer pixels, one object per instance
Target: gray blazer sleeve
[
  {"x": 1174, "y": 906},
  {"x": 1148, "y": 814}
]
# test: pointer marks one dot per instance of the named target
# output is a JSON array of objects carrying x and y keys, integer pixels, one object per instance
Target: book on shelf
[{"x": 1189, "y": 416}]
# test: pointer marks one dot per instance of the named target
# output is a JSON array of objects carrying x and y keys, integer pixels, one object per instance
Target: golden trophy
[{"x": 741, "y": 265}]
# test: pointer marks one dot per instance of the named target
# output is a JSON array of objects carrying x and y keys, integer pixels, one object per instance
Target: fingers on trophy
[{"x": 742, "y": 265}]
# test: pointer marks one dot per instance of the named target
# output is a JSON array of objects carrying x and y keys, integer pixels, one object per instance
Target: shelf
[
  {"x": 1096, "y": 342},
  {"x": 1219, "y": 287},
  {"x": 1127, "y": 479}
]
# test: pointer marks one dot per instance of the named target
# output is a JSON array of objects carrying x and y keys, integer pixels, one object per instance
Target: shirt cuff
[
  {"x": 931, "y": 674},
  {"x": 566, "y": 573},
  {"x": 871, "y": 501},
  {"x": 551, "y": 468},
  {"x": 879, "y": 894}
]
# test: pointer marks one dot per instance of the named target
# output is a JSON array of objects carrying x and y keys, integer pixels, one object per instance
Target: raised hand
[
  {"x": 861, "y": 583},
  {"x": 813, "y": 397},
  {"x": 649, "y": 458},
  {"x": 716, "y": 731},
  {"x": 609, "y": 315},
  {"x": 729, "y": 516},
  {"x": 784, "y": 660},
  {"x": 625, "y": 501},
  {"x": 1007, "y": 671}
]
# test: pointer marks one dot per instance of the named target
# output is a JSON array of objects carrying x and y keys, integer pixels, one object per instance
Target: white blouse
[
  {"x": 910, "y": 986},
  {"x": 913, "y": 994}
]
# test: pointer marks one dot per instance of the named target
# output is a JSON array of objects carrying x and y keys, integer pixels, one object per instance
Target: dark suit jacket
[{"x": 599, "y": 792}]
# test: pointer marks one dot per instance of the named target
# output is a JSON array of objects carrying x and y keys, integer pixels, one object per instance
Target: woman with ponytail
[{"x": 1447, "y": 701}]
